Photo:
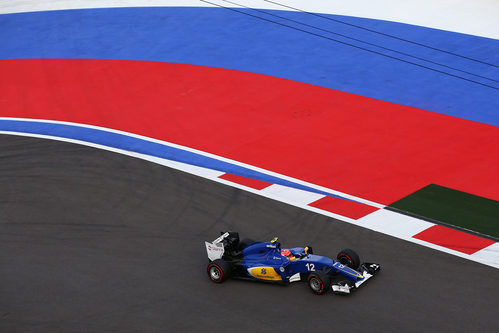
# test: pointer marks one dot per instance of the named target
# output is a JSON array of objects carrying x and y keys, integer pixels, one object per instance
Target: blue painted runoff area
[
  {"x": 129, "y": 143},
  {"x": 438, "y": 71}
]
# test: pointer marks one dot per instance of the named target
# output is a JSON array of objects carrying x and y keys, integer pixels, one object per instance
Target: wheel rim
[
  {"x": 345, "y": 261},
  {"x": 315, "y": 284},
  {"x": 215, "y": 273}
]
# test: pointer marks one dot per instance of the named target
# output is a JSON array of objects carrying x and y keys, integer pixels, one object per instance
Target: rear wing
[{"x": 215, "y": 249}]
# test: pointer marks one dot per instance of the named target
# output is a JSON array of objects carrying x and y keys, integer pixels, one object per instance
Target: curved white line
[
  {"x": 212, "y": 175},
  {"x": 383, "y": 221},
  {"x": 477, "y": 17},
  {"x": 199, "y": 152}
]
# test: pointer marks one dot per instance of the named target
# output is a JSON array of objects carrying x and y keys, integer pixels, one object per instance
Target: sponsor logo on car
[
  {"x": 215, "y": 248},
  {"x": 265, "y": 273}
]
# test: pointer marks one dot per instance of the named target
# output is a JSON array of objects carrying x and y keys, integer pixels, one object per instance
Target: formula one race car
[{"x": 266, "y": 261}]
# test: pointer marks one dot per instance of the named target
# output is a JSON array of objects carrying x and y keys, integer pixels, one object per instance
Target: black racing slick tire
[
  {"x": 218, "y": 270},
  {"x": 319, "y": 282},
  {"x": 349, "y": 258}
]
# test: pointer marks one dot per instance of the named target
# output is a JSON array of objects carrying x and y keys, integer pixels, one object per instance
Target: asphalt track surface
[{"x": 94, "y": 241}]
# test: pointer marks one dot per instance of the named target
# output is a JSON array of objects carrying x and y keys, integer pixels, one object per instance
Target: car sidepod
[{"x": 262, "y": 261}]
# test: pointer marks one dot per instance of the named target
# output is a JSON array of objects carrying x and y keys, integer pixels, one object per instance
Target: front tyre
[
  {"x": 349, "y": 258},
  {"x": 218, "y": 270},
  {"x": 319, "y": 282}
]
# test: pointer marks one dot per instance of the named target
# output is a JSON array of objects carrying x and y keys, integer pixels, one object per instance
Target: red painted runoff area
[
  {"x": 249, "y": 182},
  {"x": 361, "y": 146},
  {"x": 453, "y": 239},
  {"x": 343, "y": 207}
]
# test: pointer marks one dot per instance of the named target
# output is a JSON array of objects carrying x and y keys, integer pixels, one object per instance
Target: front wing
[{"x": 368, "y": 270}]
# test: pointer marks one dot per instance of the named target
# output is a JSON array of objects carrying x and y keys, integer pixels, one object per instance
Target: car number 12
[{"x": 310, "y": 267}]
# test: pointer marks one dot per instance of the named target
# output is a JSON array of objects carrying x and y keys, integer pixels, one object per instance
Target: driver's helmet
[{"x": 287, "y": 253}]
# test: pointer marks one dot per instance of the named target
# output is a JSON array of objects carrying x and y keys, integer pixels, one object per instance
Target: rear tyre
[
  {"x": 319, "y": 282},
  {"x": 349, "y": 258},
  {"x": 218, "y": 270}
]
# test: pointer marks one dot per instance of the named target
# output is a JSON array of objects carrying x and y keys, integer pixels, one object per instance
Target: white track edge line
[
  {"x": 206, "y": 154},
  {"x": 486, "y": 257}
]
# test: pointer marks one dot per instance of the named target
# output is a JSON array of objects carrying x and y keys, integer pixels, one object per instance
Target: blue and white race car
[{"x": 267, "y": 261}]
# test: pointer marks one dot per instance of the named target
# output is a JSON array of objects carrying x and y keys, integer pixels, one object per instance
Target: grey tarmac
[{"x": 94, "y": 241}]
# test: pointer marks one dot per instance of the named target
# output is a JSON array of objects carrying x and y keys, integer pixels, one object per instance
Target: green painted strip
[{"x": 453, "y": 207}]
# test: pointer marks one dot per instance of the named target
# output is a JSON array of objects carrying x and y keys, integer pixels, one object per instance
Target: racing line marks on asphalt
[{"x": 381, "y": 220}]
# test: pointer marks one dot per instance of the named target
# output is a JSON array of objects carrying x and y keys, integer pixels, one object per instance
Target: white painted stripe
[
  {"x": 192, "y": 169},
  {"x": 488, "y": 258},
  {"x": 288, "y": 194},
  {"x": 488, "y": 255},
  {"x": 383, "y": 221},
  {"x": 220, "y": 158},
  {"x": 477, "y": 17},
  {"x": 404, "y": 227},
  {"x": 293, "y": 199},
  {"x": 394, "y": 224},
  {"x": 198, "y": 171}
]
